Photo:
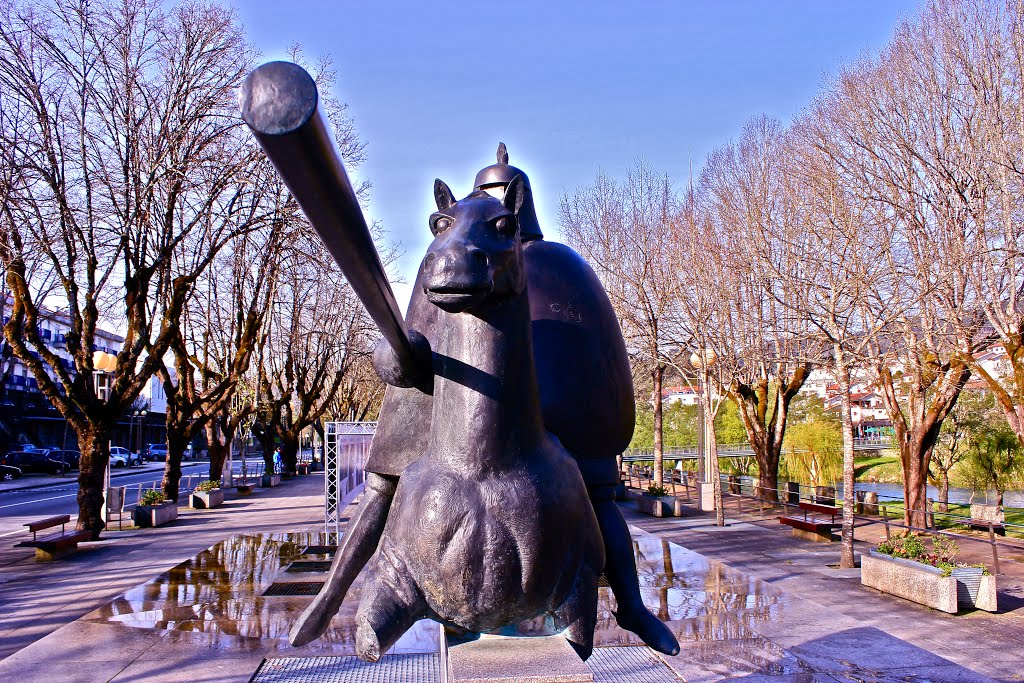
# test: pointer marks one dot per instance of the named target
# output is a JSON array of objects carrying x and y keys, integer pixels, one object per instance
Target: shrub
[
  {"x": 151, "y": 497},
  {"x": 656, "y": 491},
  {"x": 208, "y": 485}
]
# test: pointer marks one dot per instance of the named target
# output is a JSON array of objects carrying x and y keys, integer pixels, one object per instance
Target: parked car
[
  {"x": 156, "y": 451},
  {"x": 35, "y": 461},
  {"x": 9, "y": 473},
  {"x": 130, "y": 459},
  {"x": 69, "y": 458}
]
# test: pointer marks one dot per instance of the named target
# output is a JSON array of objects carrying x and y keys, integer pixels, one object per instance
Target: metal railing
[{"x": 734, "y": 490}]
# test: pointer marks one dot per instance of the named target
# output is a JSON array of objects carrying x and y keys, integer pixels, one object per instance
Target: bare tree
[
  {"x": 318, "y": 336},
  {"x": 766, "y": 350},
  {"x": 624, "y": 231},
  {"x": 118, "y": 114}
]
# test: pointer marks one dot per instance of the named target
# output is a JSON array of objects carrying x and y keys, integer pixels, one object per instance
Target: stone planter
[
  {"x": 155, "y": 515},
  {"x": 656, "y": 507},
  {"x": 204, "y": 500},
  {"x": 925, "y": 585},
  {"x": 268, "y": 480}
]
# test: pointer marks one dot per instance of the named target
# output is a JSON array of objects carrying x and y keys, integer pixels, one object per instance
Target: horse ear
[
  {"x": 515, "y": 193},
  {"x": 442, "y": 195}
]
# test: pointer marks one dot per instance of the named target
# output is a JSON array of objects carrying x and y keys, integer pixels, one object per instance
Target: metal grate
[
  {"x": 602, "y": 582},
  {"x": 319, "y": 550},
  {"x": 411, "y": 668},
  {"x": 308, "y": 566},
  {"x": 284, "y": 588},
  {"x": 632, "y": 664}
]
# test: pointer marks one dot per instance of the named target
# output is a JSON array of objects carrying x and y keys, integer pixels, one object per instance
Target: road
[{"x": 19, "y": 506}]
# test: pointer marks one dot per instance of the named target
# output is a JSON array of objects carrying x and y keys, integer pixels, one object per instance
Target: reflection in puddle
[{"x": 218, "y": 594}]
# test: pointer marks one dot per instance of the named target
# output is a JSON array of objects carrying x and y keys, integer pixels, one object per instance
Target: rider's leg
[
  {"x": 356, "y": 548},
  {"x": 620, "y": 570}
]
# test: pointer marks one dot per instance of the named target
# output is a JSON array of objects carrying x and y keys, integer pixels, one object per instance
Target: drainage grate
[
  {"x": 319, "y": 550},
  {"x": 631, "y": 664},
  {"x": 294, "y": 588},
  {"x": 413, "y": 668},
  {"x": 308, "y": 566}
]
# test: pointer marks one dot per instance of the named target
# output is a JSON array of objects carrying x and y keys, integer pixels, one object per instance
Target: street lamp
[
  {"x": 140, "y": 414},
  {"x": 707, "y": 463}
]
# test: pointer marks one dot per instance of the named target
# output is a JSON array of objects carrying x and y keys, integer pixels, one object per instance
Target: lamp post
[
  {"x": 140, "y": 415},
  {"x": 707, "y": 462}
]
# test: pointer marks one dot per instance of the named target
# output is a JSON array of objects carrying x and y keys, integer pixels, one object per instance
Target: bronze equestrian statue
[{"x": 582, "y": 383}]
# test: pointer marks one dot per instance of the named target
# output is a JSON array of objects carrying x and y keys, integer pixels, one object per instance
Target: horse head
[{"x": 476, "y": 258}]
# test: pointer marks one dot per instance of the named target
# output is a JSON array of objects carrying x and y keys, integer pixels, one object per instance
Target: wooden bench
[
  {"x": 987, "y": 518},
  {"x": 809, "y": 527},
  {"x": 55, "y": 545}
]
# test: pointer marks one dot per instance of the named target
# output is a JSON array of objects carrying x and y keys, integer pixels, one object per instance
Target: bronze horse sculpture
[
  {"x": 571, "y": 387},
  {"x": 492, "y": 525}
]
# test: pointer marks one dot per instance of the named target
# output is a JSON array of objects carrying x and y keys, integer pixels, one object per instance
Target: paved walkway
[
  {"x": 776, "y": 612},
  {"x": 832, "y": 623},
  {"x": 40, "y": 597}
]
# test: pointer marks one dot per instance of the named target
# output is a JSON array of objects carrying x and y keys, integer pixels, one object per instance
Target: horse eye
[
  {"x": 503, "y": 224},
  {"x": 440, "y": 224}
]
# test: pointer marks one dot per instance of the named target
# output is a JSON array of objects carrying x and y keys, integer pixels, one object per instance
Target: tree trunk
[
  {"x": 843, "y": 376},
  {"x": 943, "y": 490},
  {"x": 218, "y": 451},
  {"x": 94, "y": 445},
  {"x": 289, "y": 454},
  {"x": 711, "y": 444},
  {"x": 176, "y": 443},
  {"x": 915, "y": 482},
  {"x": 658, "y": 375}
]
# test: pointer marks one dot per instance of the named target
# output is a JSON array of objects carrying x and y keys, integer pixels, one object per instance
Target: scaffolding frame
[{"x": 346, "y": 445}]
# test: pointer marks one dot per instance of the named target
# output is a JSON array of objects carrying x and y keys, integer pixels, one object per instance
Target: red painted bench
[
  {"x": 810, "y": 527},
  {"x": 54, "y": 545}
]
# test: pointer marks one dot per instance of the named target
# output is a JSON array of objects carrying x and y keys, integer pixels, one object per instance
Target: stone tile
[
  {"x": 864, "y": 649},
  {"x": 32, "y": 670},
  {"x": 723, "y": 659},
  {"x": 190, "y": 670},
  {"x": 924, "y": 674}
]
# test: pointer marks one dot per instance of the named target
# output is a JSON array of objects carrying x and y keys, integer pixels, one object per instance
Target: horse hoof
[{"x": 367, "y": 645}]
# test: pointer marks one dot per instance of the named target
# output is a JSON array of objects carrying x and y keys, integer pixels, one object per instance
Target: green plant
[
  {"x": 910, "y": 547},
  {"x": 208, "y": 485},
  {"x": 656, "y": 491},
  {"x": 151, "y": 497}
]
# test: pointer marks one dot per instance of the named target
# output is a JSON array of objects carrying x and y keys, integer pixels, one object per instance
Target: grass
[{"x": 882, "y": 468}]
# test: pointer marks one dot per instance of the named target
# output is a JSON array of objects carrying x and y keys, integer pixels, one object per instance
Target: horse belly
[{"x": 487, "y": 556}]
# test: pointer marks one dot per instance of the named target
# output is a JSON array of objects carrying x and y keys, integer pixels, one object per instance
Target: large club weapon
[{"x": 280, "y": 104}]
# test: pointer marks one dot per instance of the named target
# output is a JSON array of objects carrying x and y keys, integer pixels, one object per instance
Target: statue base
[{"x": 504, "y": 659}]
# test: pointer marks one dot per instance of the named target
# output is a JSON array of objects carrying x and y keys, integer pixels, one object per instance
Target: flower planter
[
  {"x": 155, "y": 515},
  {"x": 656, "y": 507},
  {"x": 268, "y": 480},
  {"x": 204, "y": 500},
  {"x": 925, "y": 585}
]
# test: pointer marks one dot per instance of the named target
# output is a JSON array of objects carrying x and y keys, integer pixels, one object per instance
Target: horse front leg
[
  {"x": 391, "y": 603},
  {"x": 579, "y": 612},
  {"x": 359, "y": 543}
]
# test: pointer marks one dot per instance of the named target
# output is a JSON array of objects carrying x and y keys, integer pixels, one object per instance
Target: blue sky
[{"x": 570, "y": 87}]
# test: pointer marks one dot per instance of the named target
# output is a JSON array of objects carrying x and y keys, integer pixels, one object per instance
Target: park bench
[
  {"x": 54, "y": 545},
  {"x": 810, "y": 527},
  {"x": 987, "y": 517}
]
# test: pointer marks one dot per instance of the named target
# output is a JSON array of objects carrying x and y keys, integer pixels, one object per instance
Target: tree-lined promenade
[
  {"x": 132, "y": 197},
  {"x": 878, "y": 232}
]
